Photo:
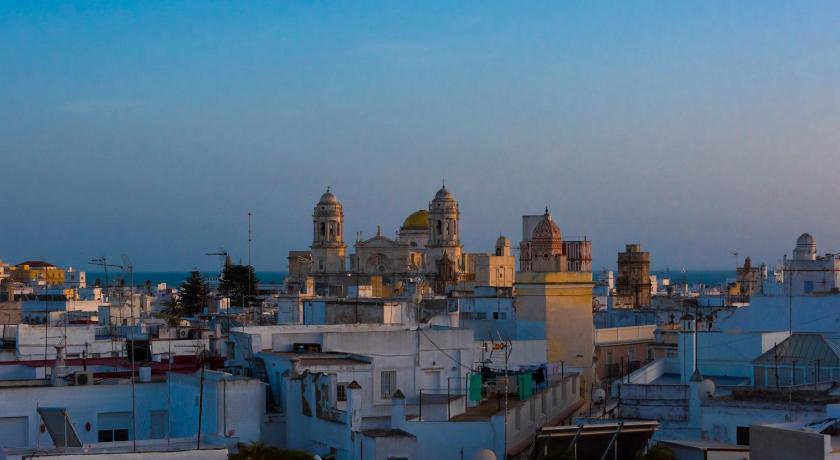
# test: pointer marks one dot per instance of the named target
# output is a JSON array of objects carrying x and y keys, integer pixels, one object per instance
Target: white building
[
  {"x": 99, "y": 409},
  {"x": 388, "y": 391},
  {"x": 412, "y": 360},
  {"x": 75, "y": 279},
  {"x": 806, "y": 273},
  {"x": 38, "y": 341}
]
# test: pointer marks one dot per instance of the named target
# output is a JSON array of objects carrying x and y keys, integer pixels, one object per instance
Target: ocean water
[
  {"x": 173, "y": 279},
  {"x": 692, "y": 277}
]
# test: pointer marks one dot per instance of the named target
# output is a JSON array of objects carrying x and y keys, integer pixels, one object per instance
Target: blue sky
[{"x": 152, "y": 128}]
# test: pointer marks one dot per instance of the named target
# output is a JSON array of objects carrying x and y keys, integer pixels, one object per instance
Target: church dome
[
  {"x": 805, "y": 240},
  {"x": 546, "y": 230},
  {"x": 443, "y": 195},
  {"x": 418, "y": 220},
  {"x": 806, "y": 247},
  {"x": 328, "y": 206},
  {"x": 328, "y": 198}
]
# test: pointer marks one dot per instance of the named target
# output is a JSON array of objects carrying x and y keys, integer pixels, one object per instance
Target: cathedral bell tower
[
  {"x": 328, "y": 248},
  {"x": 444, "y": 236}
]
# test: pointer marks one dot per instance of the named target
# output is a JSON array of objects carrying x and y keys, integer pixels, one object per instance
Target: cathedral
[{"x": 427, "y": 249}]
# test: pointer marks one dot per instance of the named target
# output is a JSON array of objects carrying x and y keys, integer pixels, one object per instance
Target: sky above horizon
[{"x": 153, "y": 128}]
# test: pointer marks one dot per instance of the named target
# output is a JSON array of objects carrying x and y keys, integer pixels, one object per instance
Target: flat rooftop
[
  {"x": 321, "y": 358},
  {"x": 156, "y": 445},
  {"x": 720, "y": 381},
  {"x": 707, "y": 446}
]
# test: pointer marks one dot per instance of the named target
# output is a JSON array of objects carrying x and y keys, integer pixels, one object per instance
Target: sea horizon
[{"x": 175, "y": 278}]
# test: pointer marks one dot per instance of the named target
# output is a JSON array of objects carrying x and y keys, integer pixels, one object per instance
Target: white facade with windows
[
  {"x": 424, "y": 359},
  {"x": 806, "y": 273},
  {"x": 101, "y": 411}
]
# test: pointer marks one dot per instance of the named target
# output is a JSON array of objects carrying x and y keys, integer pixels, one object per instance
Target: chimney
[
  {"x": 397, "y": 410},
  {"x": 687, "y": 348},
  {"x": 354, "y": 405},
  {"x": 59, "y": 370},
  {"x": 145, "y": 373}
]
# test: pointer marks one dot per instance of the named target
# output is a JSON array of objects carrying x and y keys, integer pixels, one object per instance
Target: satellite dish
[
  {"x": 484, "y": 454},
  {"x": 706, "y": 389}
]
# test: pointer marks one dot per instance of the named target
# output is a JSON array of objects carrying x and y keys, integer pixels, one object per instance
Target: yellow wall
[
  {"x": 50, "y": 275},
  {"x": 564, "y": 301},
  {"x": 491, "y": 270}
]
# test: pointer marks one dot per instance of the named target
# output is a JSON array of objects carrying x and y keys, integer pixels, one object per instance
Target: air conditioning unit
[
  {"x": 83, "y": 378},
  {"x": 183, "y": 333}
]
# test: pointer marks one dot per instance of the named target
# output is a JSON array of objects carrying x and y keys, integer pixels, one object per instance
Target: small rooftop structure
[
  {"x": 705, "y": 449},
  {"x": 816, "y": 439}
]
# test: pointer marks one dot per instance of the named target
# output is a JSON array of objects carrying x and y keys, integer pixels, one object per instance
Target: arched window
[
  {"x": 439, "y": 227},
  {"x": 323, "y": 229}
]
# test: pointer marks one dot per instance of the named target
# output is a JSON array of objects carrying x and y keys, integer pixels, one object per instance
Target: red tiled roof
[{"x": 36, "y": 264}]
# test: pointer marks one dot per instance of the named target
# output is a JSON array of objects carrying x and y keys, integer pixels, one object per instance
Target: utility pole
[
  {"x": 127, "y": 265},
  {"x": 200, "y": 401},
  {"x": 103, "y": 262}
]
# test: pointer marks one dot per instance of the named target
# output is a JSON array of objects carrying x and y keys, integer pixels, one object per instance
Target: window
[
  {"x": 495, "y": 315},
  {"x": 323, "y": 229},
  {"x": 439, "y": 227},
  {"x": 13, "y": 431},
  {"x": 743, "y": 435},
  {"x": 808, "y": 287},
  {"x": 387, "y": 384},
  {"x": 120, "y": 434},
  {"x": 631, "y": 354},
  {"x": 341, "y": 391},
  {"x": 113, "y": 426}
]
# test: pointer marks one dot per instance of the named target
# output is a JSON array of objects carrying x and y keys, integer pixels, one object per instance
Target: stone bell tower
[{"x": 328, "y": 248}]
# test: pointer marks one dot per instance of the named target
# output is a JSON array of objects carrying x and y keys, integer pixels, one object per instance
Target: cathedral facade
[{"x": 427, "y": 249}]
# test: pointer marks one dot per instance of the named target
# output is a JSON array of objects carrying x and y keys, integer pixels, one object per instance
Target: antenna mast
[
  {"x": 127, "y": 265},
  {"x": 250, "y": 273}
]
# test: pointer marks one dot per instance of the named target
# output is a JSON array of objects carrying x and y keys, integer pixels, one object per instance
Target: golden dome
[{"x": 417, "y": 220}]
